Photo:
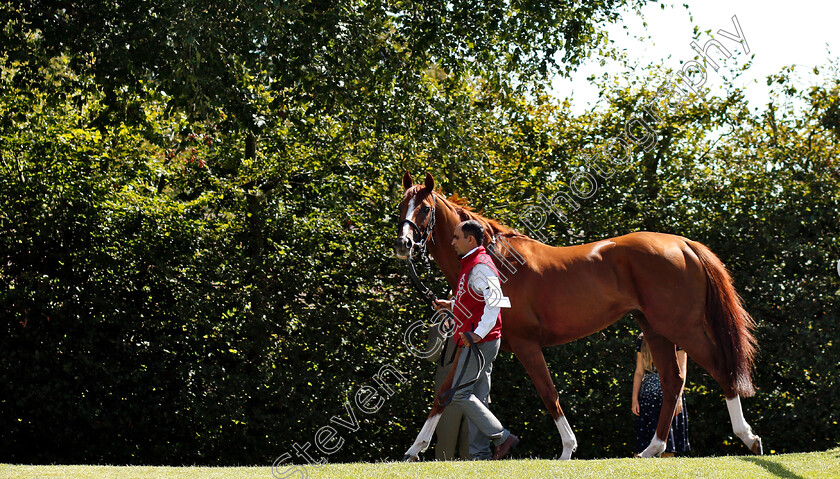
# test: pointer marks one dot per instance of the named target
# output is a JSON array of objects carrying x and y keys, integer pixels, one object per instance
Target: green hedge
[{"x": 171, "y": 299}]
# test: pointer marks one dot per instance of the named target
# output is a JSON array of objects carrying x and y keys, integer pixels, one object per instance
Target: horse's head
[{"x": 417, "y": 216}]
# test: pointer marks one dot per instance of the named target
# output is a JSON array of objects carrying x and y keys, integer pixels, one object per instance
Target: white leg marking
[
  {"x": 569, "y": 441},
  {"x": 740, "y": 426},
  {"x": 424, "y": 438},
  {"x": 656, "y": 447}
]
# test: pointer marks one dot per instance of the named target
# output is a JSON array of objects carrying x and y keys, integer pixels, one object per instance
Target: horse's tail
[{"x": 731, "y": 326}]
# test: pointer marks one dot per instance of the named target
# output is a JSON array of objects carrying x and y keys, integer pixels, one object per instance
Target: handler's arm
[{"x": 479, "y": 282}]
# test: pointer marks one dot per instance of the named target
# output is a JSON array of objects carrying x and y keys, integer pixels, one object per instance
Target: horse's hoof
[
  {"x": 408, "y": 458},
  {"x": 756, "y": 448},
  {"x": 568, "y": 450},
  {"x": 641, "y": 455}
]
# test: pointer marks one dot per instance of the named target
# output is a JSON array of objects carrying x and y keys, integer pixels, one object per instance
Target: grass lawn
[{"x": 824, "y": 464}]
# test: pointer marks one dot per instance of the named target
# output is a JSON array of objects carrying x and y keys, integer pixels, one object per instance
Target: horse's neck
[{"x": 441, "y": 248}]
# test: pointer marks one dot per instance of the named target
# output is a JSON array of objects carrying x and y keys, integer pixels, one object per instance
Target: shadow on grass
[{"x": 776, "y": 469}]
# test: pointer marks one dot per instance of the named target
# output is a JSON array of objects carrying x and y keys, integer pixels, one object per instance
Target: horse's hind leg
[
  {"x": 672, "y": 380},
  {"x": 531, "y": 356},
  {"x": 701, "y": 349},
  {"x": 740, "y": 426}
]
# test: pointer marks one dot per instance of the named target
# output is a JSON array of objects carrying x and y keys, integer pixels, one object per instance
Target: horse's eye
[{"x": 425, "y": 209}]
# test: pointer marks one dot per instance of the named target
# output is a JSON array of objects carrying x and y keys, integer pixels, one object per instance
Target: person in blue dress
[{"x": 647, "y": 401}]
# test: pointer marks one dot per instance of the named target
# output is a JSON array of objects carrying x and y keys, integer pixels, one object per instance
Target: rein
[
  {"x": 424, "y": 290},
  {"x": 446, "y": 397}
]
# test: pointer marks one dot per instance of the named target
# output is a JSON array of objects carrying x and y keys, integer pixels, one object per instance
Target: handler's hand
[
  {"x": 466, "y": 342},
  {"x": 635, "y": 407},
  {"x": 443, "y": 304}
]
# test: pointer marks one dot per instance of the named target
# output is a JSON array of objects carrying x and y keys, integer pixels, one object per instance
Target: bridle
[
  {"x": 420, "y": 246},
  {"x": 426, "y": 234}
]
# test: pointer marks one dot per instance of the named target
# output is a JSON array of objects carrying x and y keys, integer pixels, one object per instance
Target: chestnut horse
[{"x": 559, "y": 294}]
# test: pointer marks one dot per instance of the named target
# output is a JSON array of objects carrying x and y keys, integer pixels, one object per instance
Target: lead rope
[
  {"x": 431, "y": 297},
  {"x": 446, "y": 396}
]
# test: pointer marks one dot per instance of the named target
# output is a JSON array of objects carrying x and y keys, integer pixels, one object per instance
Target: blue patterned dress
[{"x": 650, "y": 403}]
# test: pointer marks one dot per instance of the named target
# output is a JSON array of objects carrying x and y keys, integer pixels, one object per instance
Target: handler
[{"x": 477, "y": 307}]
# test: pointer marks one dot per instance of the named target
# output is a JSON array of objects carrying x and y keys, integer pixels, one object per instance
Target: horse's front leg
[
  {"x": 531, "y": 356},
  {"x": 425, "y": 435},
  {"x": 424, "y": 438}
]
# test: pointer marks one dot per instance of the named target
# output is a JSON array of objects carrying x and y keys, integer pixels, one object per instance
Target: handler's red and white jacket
[{"x": 478, "y": 281}]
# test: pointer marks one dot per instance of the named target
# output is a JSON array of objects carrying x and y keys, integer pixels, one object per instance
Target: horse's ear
[
  {"x": 430, "y": 182},
  {"x": 407, "y": 181}
]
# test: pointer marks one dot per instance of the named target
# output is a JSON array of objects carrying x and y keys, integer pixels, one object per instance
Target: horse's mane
[{"x": 492, "y": 228}]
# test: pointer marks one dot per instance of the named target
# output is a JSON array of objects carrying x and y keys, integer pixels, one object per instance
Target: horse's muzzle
[{"x": 402, "y": 247}]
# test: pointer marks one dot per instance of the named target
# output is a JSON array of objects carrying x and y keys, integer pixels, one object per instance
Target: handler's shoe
[{"x": 506, "y": 446}]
